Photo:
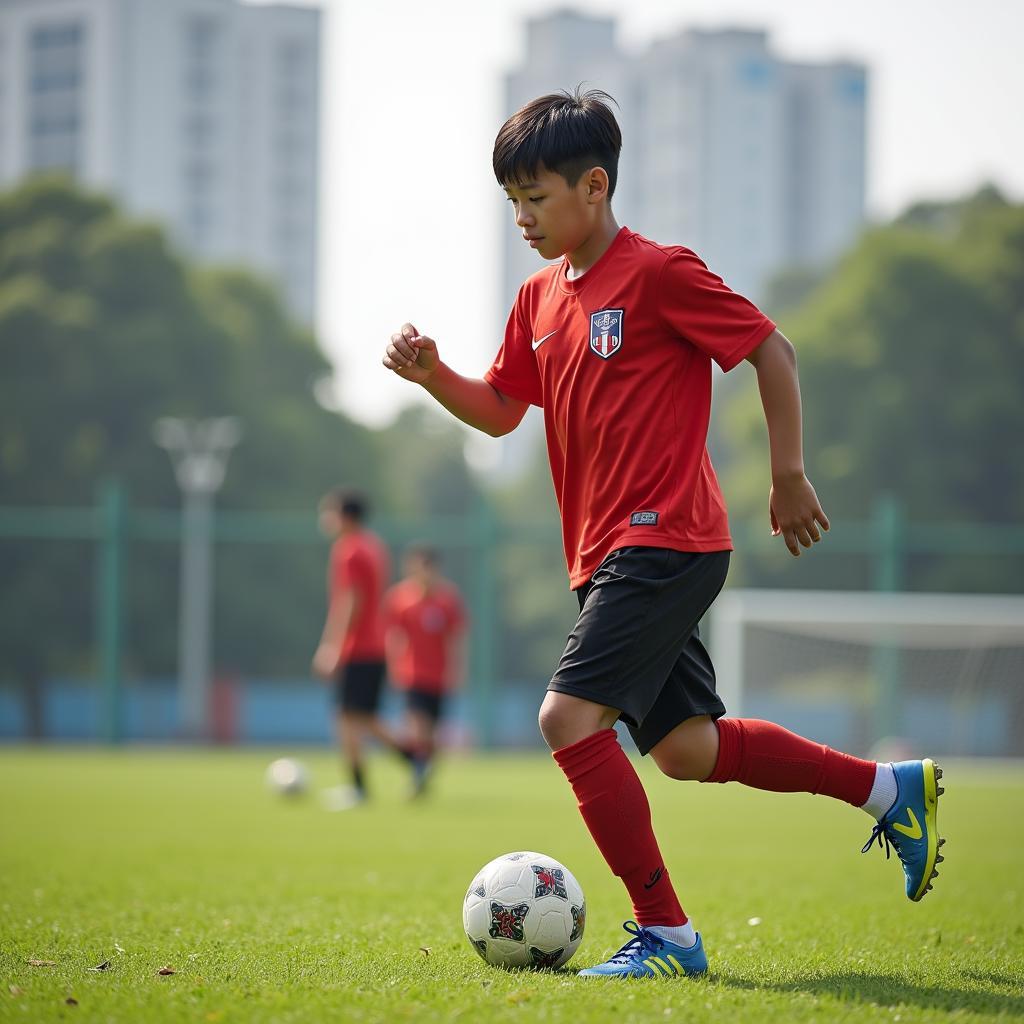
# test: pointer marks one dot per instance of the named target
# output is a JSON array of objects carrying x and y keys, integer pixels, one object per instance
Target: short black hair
[
  {"x": 565, "y": 132},
  {"x": 347, "y": 502}
]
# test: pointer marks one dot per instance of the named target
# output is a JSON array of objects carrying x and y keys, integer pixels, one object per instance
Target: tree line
[{"x": 911, "y": 351}]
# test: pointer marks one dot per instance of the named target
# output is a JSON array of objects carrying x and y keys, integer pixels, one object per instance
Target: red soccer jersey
[
  {"x": 360, "y": 562},
  {"x": 426, "y": 623},
  {"x": 620, "y": 361}
]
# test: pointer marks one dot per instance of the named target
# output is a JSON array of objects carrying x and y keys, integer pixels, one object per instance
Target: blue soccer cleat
[
  {"x": 648, "y": 956},
  {"x": 909, "y": 826}
]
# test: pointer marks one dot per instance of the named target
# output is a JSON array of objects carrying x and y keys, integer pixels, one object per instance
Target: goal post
[{"x": 852, "y": 669}]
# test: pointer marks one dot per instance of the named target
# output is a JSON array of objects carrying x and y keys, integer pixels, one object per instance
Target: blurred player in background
[
  {"x": 424, "y": 619},
  {"x": 351, "y": 649}
]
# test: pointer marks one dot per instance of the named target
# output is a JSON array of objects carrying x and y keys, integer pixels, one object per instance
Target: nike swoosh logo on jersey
[{"x": 537, "y": 344}]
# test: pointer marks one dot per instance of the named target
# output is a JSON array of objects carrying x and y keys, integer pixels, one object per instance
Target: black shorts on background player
[
  {"x": 427, "y": 702},
  {"x": 357, "y": 686},
  {"x": 635, "y": 645}
]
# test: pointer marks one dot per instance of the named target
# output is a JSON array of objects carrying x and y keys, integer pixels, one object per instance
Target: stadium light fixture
[{"x": 199, "y": 451}]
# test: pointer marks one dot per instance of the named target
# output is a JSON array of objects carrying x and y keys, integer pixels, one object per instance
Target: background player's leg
[
  {"x": 381, "y": 732},
  {"x": 351, "y": 730},
  {"x": 419, "y": 738},
  {"x": 421, "y": 733}
]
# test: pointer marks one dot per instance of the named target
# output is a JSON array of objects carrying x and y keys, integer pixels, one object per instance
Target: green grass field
[{"x": 276, "y": 910}]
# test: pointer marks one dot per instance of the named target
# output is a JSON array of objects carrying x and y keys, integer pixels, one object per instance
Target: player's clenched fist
[{"x": 411, "y": 355}]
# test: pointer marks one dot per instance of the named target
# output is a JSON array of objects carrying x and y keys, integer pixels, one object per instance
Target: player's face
[
  {"x": 329, "y": 522},
  {"x": 418, "y": 569},
  {"x": 555, "y": 217}
]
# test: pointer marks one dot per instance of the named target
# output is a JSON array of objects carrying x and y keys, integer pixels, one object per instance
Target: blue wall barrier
[
  {"x": 300, "y": 711},
  {"x": 265, "y": 711}
]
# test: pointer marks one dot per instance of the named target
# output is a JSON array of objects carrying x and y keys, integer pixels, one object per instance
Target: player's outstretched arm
[
  {"x": 414, "y": 357},
  {"x": 793, "y": 506}
]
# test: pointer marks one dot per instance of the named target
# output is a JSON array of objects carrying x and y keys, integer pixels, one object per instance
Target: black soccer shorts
[
  {"x": 426, "y": 701},
  {"x": 636, "y": 646},
  {"x": 357, "y": 686}
]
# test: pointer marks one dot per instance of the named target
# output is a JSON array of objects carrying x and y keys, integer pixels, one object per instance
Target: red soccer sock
[
  {"x": 767, "y": 756},
  {"x": 614, "y": 806}
]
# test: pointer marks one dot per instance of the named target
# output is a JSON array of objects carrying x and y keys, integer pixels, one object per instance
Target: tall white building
[
  {"x": 713, "y": 172},
  {"x": 826, "y": 125},
  {"x": 754, "y": 162},
  {"x": 201, "y": 113}
]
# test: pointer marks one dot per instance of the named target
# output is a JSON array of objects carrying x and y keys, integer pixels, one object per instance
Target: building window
[
  {"x": 292, "y": 92},
  {"x": 199, "y": 176},
  {"x": 56, "y": 37},
  {"x": 202, "y": 46},
  {"x": 755, "y": 73},
  {"x": 199, "y": 131},
  {"x": 55, "y": 82},
  {"x": 851, "y": 88}
]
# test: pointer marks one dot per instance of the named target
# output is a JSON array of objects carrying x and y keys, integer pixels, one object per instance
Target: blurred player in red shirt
[
  {"x": 351, "y": 649},
  {"x": 425, "y": 621}
]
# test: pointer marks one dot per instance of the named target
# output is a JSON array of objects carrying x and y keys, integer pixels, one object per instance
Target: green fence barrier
[{"x": 887, "y": 540}]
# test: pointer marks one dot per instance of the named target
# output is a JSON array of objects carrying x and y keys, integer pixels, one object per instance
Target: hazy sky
[{"x": 410, "y": 213}]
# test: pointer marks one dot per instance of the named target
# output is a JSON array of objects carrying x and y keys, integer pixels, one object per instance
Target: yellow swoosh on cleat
[
  {"x": 676, "y": 964},
  {"x": 913, "y": 830}
]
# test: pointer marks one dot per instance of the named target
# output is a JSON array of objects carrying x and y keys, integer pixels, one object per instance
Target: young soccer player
[
  {"x": 424, "y": 622},
  {"x": 615, "y": 342},
  {"x": 351, "y": 649}
]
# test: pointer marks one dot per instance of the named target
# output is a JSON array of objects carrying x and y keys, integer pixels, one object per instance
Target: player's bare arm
[
  {"x": 793, "y": 506},
  {"x": 414, "y": 357},
  {"x": 339, "y": 617}
]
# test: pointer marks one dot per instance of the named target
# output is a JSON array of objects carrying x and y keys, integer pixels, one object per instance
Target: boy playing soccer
[{"x": 615, "y": 343}]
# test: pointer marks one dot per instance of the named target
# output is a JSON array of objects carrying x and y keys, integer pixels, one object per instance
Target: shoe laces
[
  {"x": 886, "y": 838},
  {"x": 882, "y": 832},
  {"x": 642, "y": 942}
]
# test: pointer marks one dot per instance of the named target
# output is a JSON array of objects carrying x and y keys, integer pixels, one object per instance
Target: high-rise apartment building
[
  {"x": 754, "y": 162},
  {"x": 201, "y": 113}
]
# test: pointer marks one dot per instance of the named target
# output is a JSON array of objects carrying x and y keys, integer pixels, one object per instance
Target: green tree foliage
[
  {"x": 536, "y": 603},
  {"x": 427, "y": 474},
  {"x": 103, "y": 329},
  {"x": 912, "y": 370}
]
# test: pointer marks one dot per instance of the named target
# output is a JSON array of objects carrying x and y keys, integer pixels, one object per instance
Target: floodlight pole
[{"x": 199, "y": 451}]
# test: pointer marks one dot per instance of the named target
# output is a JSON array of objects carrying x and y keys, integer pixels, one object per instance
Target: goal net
[{"x": 884, "y": 673}]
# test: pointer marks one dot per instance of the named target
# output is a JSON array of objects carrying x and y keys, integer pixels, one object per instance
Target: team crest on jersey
[{"x": 606, "y": 332}]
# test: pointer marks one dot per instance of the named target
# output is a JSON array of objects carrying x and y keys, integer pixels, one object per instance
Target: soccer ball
[
  {"x": 524, "y": 910},
  {"x": 287, "y": 777}
]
